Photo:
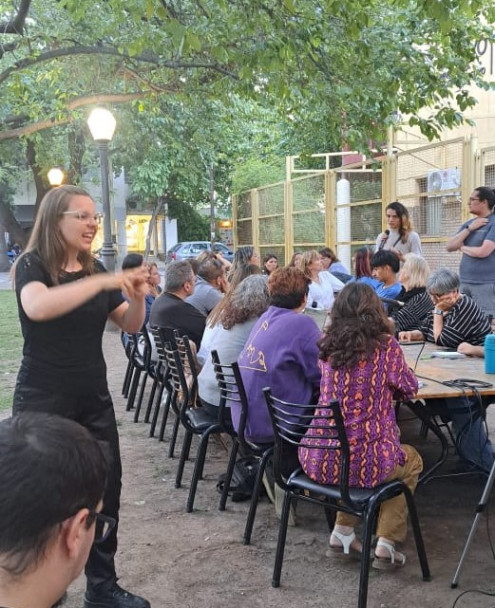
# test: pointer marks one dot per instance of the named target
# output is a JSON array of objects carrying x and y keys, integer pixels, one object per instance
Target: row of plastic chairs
[{"x": 290, "y": 422}]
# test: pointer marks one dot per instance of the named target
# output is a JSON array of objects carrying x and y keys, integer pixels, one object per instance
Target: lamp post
[
  {"x": 55, "y": 176},
  {"x": 101, "y": 123}
]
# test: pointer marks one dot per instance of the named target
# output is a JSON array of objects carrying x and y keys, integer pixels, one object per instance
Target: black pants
[{"x": 93, "y": 410}]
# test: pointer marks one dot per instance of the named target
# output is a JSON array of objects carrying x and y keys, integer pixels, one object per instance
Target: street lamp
[
  {"x": 101, "y": 123},
  {"x": 55, "y": 176}
]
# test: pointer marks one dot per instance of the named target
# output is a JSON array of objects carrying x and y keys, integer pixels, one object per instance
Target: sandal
[
  {"x": 344, "y": 549},
  {"x": 394, "y": 560}
]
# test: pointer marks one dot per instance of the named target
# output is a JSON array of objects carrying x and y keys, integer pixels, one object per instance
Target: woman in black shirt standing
[{"x": 65, "y": 297}]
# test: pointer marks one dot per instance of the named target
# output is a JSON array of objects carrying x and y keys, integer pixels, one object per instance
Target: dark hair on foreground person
[
  {"x": 50, "y": 468},
  {"x": 287, "y": 287},
  {"x": 132, "y": 260},
  {"x": 385, "y": 257},
  {"x": 357, "y": 323}
]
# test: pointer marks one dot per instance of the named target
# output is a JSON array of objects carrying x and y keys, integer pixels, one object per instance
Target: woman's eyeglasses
[{"x": 84, "y": 216}]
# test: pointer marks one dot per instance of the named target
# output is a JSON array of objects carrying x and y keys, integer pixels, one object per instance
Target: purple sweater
[{"x": 281, "y": 353}]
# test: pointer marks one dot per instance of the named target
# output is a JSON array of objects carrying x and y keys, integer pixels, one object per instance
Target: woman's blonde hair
[
  {"x": 416, "y": 269},
  {"x": 46, "y": 237},
  {"x": 307, "y": 258}
]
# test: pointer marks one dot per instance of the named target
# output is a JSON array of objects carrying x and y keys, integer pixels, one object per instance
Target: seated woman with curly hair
[{"x": 363, "y": 367}]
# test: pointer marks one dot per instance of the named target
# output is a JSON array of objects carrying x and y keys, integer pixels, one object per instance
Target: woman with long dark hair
[
  {"x": 363, "y": 367},
  {"x": 400, "y": 236},
  {"x": 65, "y": 298}
]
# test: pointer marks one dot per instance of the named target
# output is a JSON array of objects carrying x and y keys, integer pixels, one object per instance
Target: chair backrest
[
  {"x": 232, "y": 390},
  {"x": 158, "y": 337},
  {"x": 190, "y": 365},
  {"x": 291, "y": 422},
  {"x": 176, "y": 379}
]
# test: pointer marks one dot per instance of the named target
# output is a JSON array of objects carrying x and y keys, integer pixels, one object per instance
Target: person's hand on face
[{"x": 446, "y": 301}]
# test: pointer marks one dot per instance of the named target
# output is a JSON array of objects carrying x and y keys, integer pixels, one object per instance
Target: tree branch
[
  {"x": 101, "y": 50},
  {"x": 16, "y": 25},
  {"x": 76, "y": 103}
]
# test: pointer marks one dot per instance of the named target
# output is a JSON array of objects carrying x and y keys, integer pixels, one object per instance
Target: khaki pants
[{"x": 392, "y": 520}]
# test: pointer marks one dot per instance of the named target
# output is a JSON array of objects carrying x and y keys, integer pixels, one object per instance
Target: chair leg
[
  {"x": 330, "y": 516},
  {"x": 368, "y": 527},
  {"x": 156, "y": 412},
  {"x": 140, "y": 397},
  {"x": 186, "y": 445},
  {"x": 173, "y": 438},
  {"x": 418, "y": 537},
  {"x": 133, "y": 391},
  {"x": 255, "y": 497},
  {"x": 282, "y": 535},
  {"x": 198, "y": 467},
  {"x": 228, "y": 475},
  {"x": 151, "y": 399},
  {"x": 127, "y": 378}
]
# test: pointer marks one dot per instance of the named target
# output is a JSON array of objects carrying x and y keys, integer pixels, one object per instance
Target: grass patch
[{"x": 10, "y": 347}]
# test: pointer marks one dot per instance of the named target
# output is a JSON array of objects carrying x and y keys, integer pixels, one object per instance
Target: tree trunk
[
  {"x": 41, "y": 189},
  {"x": 8, "y": 221}
]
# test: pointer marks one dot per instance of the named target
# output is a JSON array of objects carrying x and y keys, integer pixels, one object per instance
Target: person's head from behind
[
  {"x": 132, "y": 260},
  {"x": 443, "y": 286},
  {"x": 327, "y": 257},
  {"x": 362, "y": 266},
  {"x": 179, "y": 279},
  {"x": 66, "y": 223},
  {"x": 384, "y": 266},
  {"x": 249, "y": 300},
  {"x": 212, "y": 271},
  {"x": 357, "y": 323},
  {"x": 270, "y": 263},
  {"x": 288, "y": 288},
  {"x": 414, "y": 272},
  {"x": 244, "y": 256},
  {"x": 310, "y": 264},
  {"x": 52, "y": 474},
  {"x": 238, "y": 275},
  {"x": 398, "y": 217}
]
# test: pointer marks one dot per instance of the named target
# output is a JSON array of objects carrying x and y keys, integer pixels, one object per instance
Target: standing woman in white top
[
  {"x": 323, "y": 283},
  {"x": 400, "y": 237}
]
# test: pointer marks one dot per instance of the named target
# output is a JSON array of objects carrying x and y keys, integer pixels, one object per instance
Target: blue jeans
[{"x": 469, "y": 428}]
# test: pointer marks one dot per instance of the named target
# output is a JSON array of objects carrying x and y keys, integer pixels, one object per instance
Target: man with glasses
[
  {"x": 171, "y": 311},
  {"x": 52, "y": 478},
  {"x": 476, "y": 241}
]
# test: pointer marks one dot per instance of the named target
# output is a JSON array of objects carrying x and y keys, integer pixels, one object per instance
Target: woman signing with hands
[{"x": 64, "y": 297}]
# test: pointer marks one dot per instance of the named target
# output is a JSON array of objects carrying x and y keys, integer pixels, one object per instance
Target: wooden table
[{"x": 432, "y": 372}]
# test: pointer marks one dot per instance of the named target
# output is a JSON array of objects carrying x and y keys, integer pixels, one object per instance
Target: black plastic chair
[
  {"x": 232, "y": 389},
  {"x": 290, "y": 423},
  {"x": 140, "y": 363},
  {"x": 195, "y": 420}
]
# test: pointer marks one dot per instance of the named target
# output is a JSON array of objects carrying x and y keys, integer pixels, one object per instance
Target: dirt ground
[{"x": 195, "y": 560}]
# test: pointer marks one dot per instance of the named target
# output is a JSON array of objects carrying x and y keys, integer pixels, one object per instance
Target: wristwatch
[{"x": 438, "y": 312}]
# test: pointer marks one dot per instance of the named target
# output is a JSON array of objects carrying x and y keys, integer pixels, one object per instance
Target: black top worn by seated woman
[{"x": 417, "y": 305}]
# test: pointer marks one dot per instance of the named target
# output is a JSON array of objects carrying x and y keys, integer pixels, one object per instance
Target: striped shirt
[
  {"x": 464, "y": 322},
  {"x": 410, "y": 316}
]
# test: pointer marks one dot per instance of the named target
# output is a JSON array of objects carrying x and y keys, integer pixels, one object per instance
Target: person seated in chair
[
  {"x": 456, "y": 321},
  {"x": 52, "y": 474},
  {"x": 211, "y": 284},
  {"x": 171, "y": 311},
  {"x": 363, "y": 367},
  {"x": 280, "y": 352},
  {"x": 384, "y": 267},
  {"x": 416, "y": 302}
]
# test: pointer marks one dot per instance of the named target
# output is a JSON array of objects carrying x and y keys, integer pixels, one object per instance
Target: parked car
[{"x": 191, "y": 249}]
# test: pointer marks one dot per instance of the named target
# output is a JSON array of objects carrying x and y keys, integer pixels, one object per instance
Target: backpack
[{"x": 243, "y": 479}]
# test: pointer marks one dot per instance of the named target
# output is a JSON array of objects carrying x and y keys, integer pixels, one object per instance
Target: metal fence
[{"x": 343, "y": 208}]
